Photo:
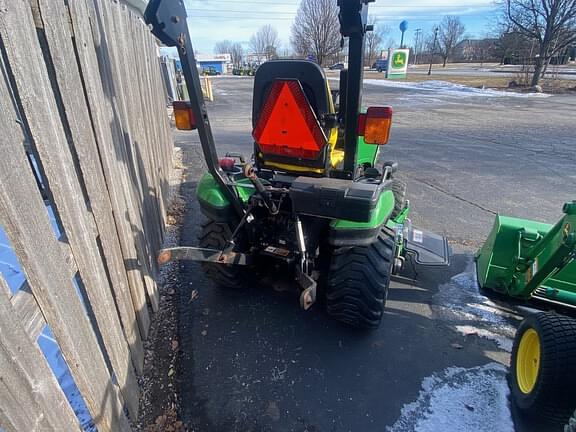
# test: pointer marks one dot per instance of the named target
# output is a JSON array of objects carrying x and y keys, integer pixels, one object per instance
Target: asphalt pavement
[{"x": 254, "y": 361}]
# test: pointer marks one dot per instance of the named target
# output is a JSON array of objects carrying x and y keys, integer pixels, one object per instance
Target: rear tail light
[
  {"x": 183, "y": 115},
  {"x": 375, "y": 125}
]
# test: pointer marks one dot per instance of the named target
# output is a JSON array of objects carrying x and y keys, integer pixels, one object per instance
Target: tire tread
[{"x": 358, "y": 281}]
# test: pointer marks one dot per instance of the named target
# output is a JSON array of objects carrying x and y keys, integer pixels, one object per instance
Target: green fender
[
  {"x": 214, "y": 203},
  {"x": 348, "y": 233}
]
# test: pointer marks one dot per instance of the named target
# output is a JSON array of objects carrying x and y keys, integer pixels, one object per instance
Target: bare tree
[
  {"x": 551, "y": 23},
  {"x": 234, "y": 49},
  {"x": 223, "y": 47},
  {"x": 237, "y": 54},
  {"x": 265, "y": 41},
  {"x": 513, "y": 47},
  {"x": 374, "y": 41},
  {"x": 316, "y": 30},
  {"x": 451, "y": 31},
  {"x": 391, "y": 43}
]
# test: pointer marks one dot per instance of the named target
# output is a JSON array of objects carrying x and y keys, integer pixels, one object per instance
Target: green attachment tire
[
  {"x": 358, "y": 281},
  {"x": 542, "y": 379},
  {"x": 215, "y": 236}
]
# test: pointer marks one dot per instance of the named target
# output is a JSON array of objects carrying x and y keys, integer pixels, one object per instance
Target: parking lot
[{"x": 254, "y": 361}]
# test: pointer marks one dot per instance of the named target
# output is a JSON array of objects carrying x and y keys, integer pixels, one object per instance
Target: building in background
[
  {"x": 221, "y": 63},
  {"x": 476, "y": 50}
]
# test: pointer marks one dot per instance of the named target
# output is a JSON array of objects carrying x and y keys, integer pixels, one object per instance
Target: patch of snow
[
  {"x": 459, "y": 399},
  {"x": 444, "y": 88},
  {"x": 460, "y": 302},
  {"x": 503, "y": 342}
]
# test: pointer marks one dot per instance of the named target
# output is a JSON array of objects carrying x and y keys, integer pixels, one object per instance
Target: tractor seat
[{"x": 301, "y": 85}]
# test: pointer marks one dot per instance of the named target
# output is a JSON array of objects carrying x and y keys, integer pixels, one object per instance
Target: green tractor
[
  {"x": 530, "y": 260},
  {"x": 313, "y": 204}
]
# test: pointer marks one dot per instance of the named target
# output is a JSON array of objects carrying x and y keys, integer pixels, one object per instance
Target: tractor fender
[
  {"x": 214, "y": 203},
  {"x": 345, "y": 233}
]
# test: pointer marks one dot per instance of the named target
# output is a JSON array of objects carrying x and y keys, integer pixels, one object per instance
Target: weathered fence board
[
  {"x": 140, "y": 141},
  {"x": 27, "y": 310},
  {"x": 88, "y": 42},
  {"x": 110, "y": 58},
  {"x": 144, "y": 111},
  {"x": 27, "y": 384},
  {"x": 82, "y": 100},
  {"x": 48, "y": 135},
  {"x": 55, "y": 20},
  {"x": 30, "y": 232}
]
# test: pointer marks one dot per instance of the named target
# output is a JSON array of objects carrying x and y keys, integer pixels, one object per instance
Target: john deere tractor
[{"x": 313, "y": 203}]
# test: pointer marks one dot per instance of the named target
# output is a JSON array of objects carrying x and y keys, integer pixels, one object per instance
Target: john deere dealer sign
[{"x": 397, "y": 63}]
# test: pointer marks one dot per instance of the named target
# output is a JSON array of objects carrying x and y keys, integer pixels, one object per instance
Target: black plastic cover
[
  {"x": 335, "y": 198},
  {"x": 428, "y": 249}
]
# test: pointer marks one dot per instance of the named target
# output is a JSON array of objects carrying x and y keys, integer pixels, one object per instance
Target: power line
[
  {"x": 383, "y": 18},
  {"x": 436, "y": 6}
]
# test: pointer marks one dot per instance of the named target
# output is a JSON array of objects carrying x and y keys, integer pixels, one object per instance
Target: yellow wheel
[
  {"x": 542, "y": 378},
  {"x": 528, "y": 361}
]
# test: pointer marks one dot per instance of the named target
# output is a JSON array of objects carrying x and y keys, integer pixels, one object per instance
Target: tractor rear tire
[
  {"x": 399, "y": 189},
  {"x": 545, "y": 390},
  {"x": 358, "y": 281},
  {"x": 215, "y": 236}
]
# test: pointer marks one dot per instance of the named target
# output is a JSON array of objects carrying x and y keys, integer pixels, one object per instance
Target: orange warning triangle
[{"x": 287, "y": 125}]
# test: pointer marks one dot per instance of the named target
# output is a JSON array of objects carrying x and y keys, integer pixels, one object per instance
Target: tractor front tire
[
  {"x": 542, "y": 379},
  {"x": 215, "y": 236},
  {"x": 358, "y": 281},
  {"x": 399, "y": 189}
]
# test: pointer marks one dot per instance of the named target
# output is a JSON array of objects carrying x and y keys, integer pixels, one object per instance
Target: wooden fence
[{"x": 83, "y": 132}]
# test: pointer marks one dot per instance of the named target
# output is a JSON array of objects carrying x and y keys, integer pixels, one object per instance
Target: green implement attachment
[{"x": 525, "y": 259}]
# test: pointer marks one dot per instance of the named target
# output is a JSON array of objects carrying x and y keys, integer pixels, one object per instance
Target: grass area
[
  {"x": 496, "y": 82},
  {"x": 472, "y": 81}
]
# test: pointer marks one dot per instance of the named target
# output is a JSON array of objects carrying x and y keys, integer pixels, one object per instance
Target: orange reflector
[
  {"x": 183, "y": 115},
  {"x": 375, "y": 125},
  {"x": 287, "y": 125}
]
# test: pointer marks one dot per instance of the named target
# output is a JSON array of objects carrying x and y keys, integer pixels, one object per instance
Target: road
[{"x": 253, "y": 361}]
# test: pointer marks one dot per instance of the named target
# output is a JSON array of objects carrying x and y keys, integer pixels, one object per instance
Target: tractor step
[{"x": 427, "y": 248}]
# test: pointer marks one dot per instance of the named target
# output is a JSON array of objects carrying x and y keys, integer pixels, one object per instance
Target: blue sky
[{"x": 213, "y": 20}]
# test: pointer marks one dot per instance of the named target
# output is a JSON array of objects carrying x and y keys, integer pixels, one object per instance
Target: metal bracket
[
  {"x": 202, "y": 255},
  {"x": 308, "y": 295}
]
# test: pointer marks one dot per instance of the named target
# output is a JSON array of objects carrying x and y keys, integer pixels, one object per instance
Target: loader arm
[
  {"x": 557, "y": 249},
  {"x": 168, "y": 20},
  {"x": 523, "y": 258}
]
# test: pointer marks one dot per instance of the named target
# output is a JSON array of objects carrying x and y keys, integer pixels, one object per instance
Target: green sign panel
[{"x": 397, "y": 63}]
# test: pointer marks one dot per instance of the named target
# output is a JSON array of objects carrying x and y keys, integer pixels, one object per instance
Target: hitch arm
[{"x": 168, "y": 21}]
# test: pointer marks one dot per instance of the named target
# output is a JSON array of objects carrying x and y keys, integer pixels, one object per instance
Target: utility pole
[
  {"x": 433, "y": 50},
  {"x": 417, "y": 45}
]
